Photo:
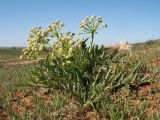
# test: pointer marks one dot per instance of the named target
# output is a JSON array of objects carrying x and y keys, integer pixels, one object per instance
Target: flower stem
[{"x": 91, "y": 42}]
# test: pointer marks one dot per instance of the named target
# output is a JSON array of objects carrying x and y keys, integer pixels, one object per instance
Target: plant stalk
[{"x": 91, "y": 42}]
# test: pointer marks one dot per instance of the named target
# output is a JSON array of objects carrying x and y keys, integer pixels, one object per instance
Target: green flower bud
[
  {"x": 69, "y": 54},
  {"x": 93, "y": 17},
  {"x": 60, "y": 50},
  {"x": 34, "y": 43},
  {"x": 86, "y": 20},
  {"x": 70, "y": 50},
  {"x": 82, "y": 29},
  {"x": 69, "y": 37},
  {"x": 30, "y": 36},
  {"x": 70, "y": 42},
  {"x": 41, "y": 48},
  {"x": 77, "y": 39},
  {"x": 39, "y": 33},
  {"x": 35, "y": 49},
  {"x": 85, "y": 23},
  {"x": 82, "y": 26},
  {"x": 80, "y": 23},
  {"x": 32, "y": 29},
  {"x": 53, "y": 25},
  {"x": 57, "y": 21},
  {"x": 96, "y": 26},
  {"x": 29, "y": 42},
  {"x": 78, "y": 43},
  {"x": 104, "y": 25},
  {"x": 68, "y": 33},
  {"x": 99, "y": 19}
]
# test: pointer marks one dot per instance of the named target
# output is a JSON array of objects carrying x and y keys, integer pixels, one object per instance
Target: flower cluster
[
  {"x": 39, "y": 40},
  {"x": 90, "y": 25},
  {"x": 64, "y": 46},
  {"x": 34, "y": 43},
  {"x": 54, "y": 29},
  {"x": 57, "y": 43}
]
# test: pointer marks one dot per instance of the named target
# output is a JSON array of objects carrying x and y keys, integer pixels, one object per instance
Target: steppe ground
[{"x": 16, "y": 97}]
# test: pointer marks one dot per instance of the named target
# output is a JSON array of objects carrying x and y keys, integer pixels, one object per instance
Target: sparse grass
[
  {"x": 10, "y": 53},
  {"x": 149, "y": 54},
  {"x": 25, "y": 103}
]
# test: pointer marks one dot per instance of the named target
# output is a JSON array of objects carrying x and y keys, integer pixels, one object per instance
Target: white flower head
[
  {"x": 99, "y": 19},
  {"x": 104, "y": 25},
  {"x": 69, "y": 37},
  {"x": 70, "y": 50},
  {"x": 96, "y": 25},
  {"x": 60, "y": 50},
  {"x": 41, "y": 48},
  {"x": 57, "y": 21},
  {"x": 86, "y": 19},
  {"x": 53, "y": 25},
  {"x": 93, "y": 17},
  {"x": 70, "y": 42}
]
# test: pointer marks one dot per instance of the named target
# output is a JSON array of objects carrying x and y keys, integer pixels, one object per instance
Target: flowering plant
[
  {"x": 52, "y": 41},
  {"x": 90, "y": 26},
  {"x": 39, "y": 40},
  {"x": 89, "y": 74}
]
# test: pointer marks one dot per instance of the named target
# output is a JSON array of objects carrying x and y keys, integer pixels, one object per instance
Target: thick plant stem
[{"x": 91, "y": 42}]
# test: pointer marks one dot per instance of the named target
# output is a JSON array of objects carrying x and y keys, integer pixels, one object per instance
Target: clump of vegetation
[
  {"x": 91, "y": 73},
  {"x": 77, "y": 79}
]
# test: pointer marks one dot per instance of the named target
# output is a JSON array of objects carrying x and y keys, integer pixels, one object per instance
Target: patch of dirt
[
  {"x": 21, "y": 62},
  {"x": 3, "y": 116},
  {"x": 150, "y": 93},
  {"x": 22, "y": 100},
  {"x": 7, "y": 60},
  {"x": 13, "y": 62}
]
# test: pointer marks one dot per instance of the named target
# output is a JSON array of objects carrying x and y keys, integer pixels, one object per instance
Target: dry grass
[{"x": 43, "y": 102}]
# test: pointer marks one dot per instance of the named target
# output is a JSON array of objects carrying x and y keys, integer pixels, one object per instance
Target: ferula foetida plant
[
  {"x": 91, "y": 25},
  {"x": 91, "y": 73},
  {"x": 56, "y": 42},
  {"x": 51, "y": 40}
]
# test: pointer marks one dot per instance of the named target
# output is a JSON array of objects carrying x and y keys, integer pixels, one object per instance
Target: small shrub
[{"x": 88, "y": 73}]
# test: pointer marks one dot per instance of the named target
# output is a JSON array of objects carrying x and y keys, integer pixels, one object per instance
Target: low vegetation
[{"x": 80, "y": 81}]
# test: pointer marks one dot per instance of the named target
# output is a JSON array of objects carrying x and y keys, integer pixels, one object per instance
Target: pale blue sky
[{"x": 134, "y": 20}]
